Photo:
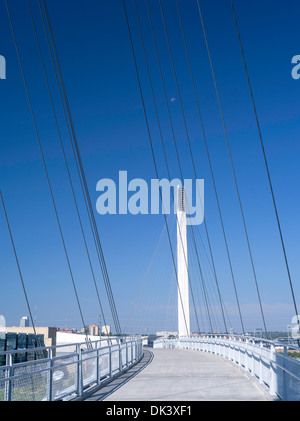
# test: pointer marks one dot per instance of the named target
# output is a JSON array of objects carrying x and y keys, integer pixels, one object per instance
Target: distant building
[
  {"x": 106, "y": 330},
  {"x": 84, "y": 329},
  {"x": 2, "y": 322},
  {"x": 94, "y": 330},
  {"x": 48, "y": 333},
  {"x": 24, "y": 322},
  {"x": 20, "y": 338},
  {"x": 67, "y": 330},
  {"x": 166, "y": 334}
]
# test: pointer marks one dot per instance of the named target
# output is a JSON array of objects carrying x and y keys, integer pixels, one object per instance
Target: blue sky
[{"x": 97, "y": 64}]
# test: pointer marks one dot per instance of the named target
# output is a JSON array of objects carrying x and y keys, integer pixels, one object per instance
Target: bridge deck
[{"x": 181, "y": 375}]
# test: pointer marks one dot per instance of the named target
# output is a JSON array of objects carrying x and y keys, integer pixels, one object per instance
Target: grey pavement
[{"x": 185, "y": 375}]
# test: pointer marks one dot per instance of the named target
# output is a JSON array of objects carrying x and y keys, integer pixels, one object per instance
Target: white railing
[
  {"x": 278, "y": 371},
  {"x": 65, "y": 371}
]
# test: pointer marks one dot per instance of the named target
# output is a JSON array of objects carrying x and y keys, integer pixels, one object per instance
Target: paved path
[{"x": 182, "y": 375}]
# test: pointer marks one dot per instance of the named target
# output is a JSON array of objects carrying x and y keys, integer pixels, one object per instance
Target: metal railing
[
  {"x": 267, "y": 361},
  {"x": 65, "y": 371}
]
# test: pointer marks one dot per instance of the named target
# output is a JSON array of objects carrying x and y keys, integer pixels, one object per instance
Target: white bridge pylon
[{"x": 182, "y": 266}]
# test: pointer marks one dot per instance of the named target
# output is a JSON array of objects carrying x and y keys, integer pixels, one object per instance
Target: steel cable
[
  {"x": 266, "y": 163},
  {"x": 233, "y": 169},
  {"x": 82, "y": 173},
  {"x": 46, "y": 170}
]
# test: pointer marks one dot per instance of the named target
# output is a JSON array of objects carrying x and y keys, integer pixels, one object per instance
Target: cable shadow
[{"x": 106, "y": 390}]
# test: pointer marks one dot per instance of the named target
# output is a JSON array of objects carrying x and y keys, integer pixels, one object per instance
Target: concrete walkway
[{"x": 182, "y": 375}]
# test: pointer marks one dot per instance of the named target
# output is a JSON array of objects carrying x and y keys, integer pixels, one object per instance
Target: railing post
[
  {"x": 239, "y": 353},
  {"x": 284, "y": 374},
  {"x": 98, "y": 362},
  {"x": 8, "y": 374},
  {"x": 246, "y": 355},
  {"x": 235, "y": 351},
  {"x": 120, "y": 357},
  {"x": 110, "y": 361},
  {"x": 261, "y": 364},
  {"x": 272, "y": 389},
  {"x": 253, "y": 361},
  {"x": 50, "y": 377},
  {"x": 79, "y": 371},
  {"x": 126, "y": 353}
]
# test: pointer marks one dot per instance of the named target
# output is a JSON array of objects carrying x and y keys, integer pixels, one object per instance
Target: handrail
[
  {"x": 88, "y": 368},
  {"x": 243, "y": 337}
]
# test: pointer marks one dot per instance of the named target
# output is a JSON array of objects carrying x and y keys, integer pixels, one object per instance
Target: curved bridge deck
[{"x": 181, "y": 375}]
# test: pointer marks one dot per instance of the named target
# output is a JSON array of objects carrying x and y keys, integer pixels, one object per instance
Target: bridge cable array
[
  {"x": 19, "y": 267},
  {"x": 78, "y": 165},
  {"x": 82, "y": 177},
  {"x": 154, "y": 160},
  {"x": 172, "y": 132},
  {"x": 65, "y": 160},
  {"x": 192, "y": 159},
  {"x": 170, "y": 119},
  {"x": 266, "y": 163},
  {"x": 46, "y": 171},
  {"x": 232, "y": 166},
  {"x": 82, "y": 172},
  {"x": 207, "y": 152},
  {"x": 166, "y": 161},
  {"x": 211, "y": 169},
  {"x": 117, "y": 327},
  {"x": 178, "y": 159}
]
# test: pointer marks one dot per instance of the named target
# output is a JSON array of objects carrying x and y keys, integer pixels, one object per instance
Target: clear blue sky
[{"x": 97, "y": 64}]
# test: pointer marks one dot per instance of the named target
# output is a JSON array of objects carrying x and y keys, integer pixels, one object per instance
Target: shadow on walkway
[{"x": 104, "y": 391}]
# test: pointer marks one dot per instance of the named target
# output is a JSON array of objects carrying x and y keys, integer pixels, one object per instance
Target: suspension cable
[
  {"x": 211, "y": 169},
  {"x": 19, "y": 267},
  {"x": 266, "y": 162},
  {"x": 70, "y": 136},
  {"x": 153, "y": 157},
  {"x": 45, "y": 168},
  {"x": 191, "y": 154},
  {"x": 233, "y": 169},
  {"x": 166, "y": 160},
  {"x": 65, "y": 160},
  {"x": 174, "y": 137},
  {"x": 82, "y": 174}
]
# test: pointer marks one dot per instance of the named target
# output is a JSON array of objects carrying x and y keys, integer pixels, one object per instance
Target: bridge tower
[{"x": 182, "y": 266}]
